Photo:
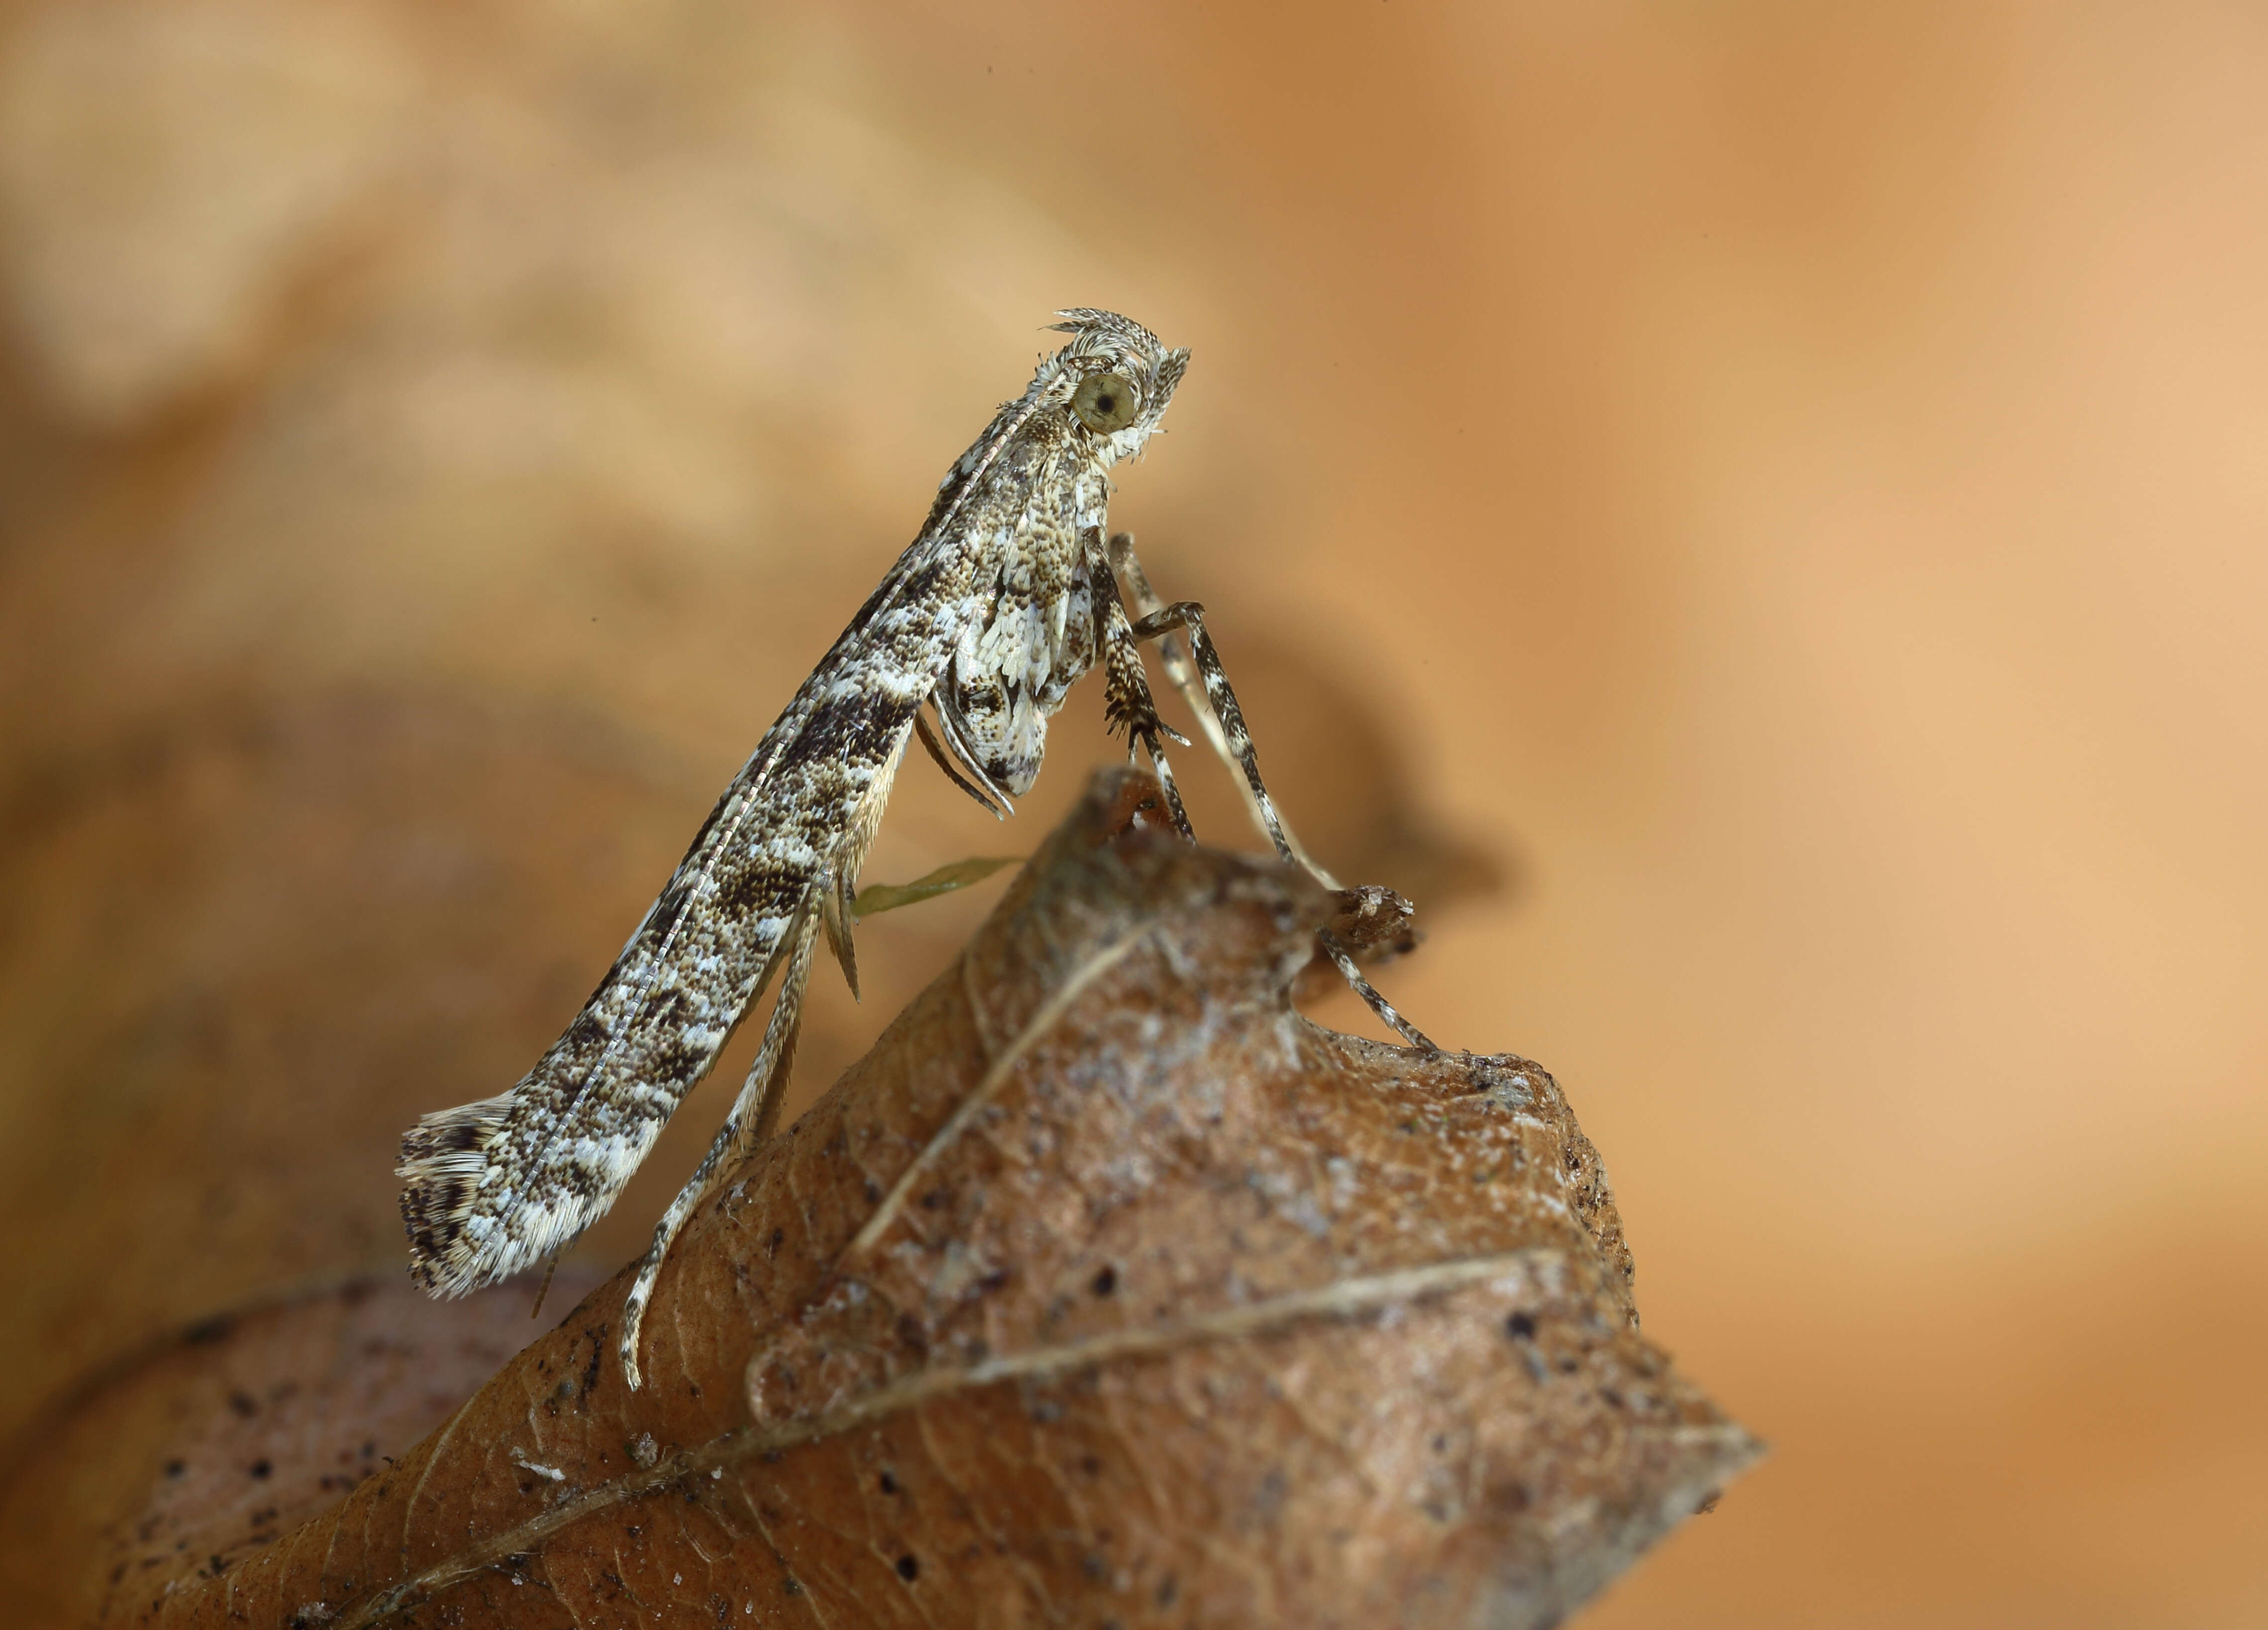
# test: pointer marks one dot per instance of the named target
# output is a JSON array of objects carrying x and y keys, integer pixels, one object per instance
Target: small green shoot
[{"x": 877, "y": 898}]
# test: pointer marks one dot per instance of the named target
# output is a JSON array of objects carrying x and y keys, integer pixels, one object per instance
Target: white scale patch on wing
[
  {"x": 1013, "y": 675},
  {"x": 1074, "y": 645}
]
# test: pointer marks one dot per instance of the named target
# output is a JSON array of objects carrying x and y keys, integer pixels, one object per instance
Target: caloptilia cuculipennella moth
[{"x": 1013, "y": 590}]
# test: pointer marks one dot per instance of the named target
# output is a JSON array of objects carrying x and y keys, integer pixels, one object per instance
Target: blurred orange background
[{"x": 1786, "y": 487}]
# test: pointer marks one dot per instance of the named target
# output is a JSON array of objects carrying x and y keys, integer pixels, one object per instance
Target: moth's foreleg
[
  {"x": 1184, "y": 676},
  {"x": 1127, "y": 702},
  {"x": 1127, "y": 567},
  {"x": 754, "y": 1113},
  {"x": 1187, "y": 614}
]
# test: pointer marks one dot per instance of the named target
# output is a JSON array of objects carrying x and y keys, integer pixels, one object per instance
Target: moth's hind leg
[
  {"x": 750, "y": 1122},
  {"x": 1220, "y": 698}
]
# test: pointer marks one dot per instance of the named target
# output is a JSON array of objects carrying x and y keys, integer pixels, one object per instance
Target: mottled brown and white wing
[{"x": 494, "y": 1186}]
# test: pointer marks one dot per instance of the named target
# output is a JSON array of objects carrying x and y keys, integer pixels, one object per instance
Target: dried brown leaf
[
  {"x": 239, "y": 1429},
  {"x": 1106, "y": 1287}
]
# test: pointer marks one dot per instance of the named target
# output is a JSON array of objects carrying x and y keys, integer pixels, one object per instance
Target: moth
[{"x": 1011, "y": 594}]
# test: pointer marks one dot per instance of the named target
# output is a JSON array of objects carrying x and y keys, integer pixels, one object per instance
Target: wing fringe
[{"x": 443, "y": 1158}]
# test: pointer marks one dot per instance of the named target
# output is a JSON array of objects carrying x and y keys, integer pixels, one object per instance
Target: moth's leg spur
[
  {"x": 1184, "y": 676},
  {"x": 753, "y": 1115},
  {"x": 1222, "y": 701},
  {"x": 1126, "y": 692}
]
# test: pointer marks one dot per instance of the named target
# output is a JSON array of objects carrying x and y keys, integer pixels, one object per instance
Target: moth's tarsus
[
  {"x": 1007, "y": 597},
  {"x": 1336, "y": 949}
]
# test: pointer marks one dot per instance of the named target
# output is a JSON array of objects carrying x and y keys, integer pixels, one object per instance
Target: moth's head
[{"x": 1110, "y": 385}]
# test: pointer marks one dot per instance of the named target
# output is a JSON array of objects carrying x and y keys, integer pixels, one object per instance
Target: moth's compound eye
[{"x": 1105, "y": 402}]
